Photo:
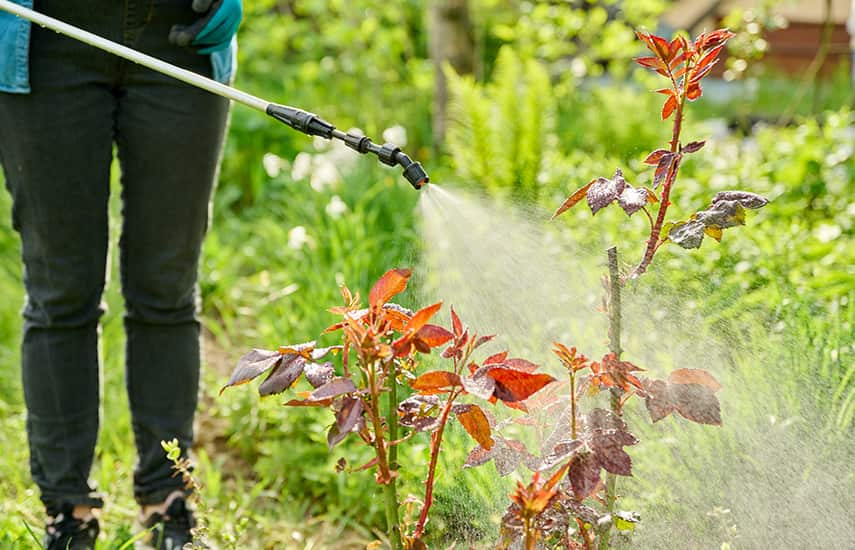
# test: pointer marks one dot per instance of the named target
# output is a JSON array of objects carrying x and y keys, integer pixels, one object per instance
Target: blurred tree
[{"x": 452, "y": 42}]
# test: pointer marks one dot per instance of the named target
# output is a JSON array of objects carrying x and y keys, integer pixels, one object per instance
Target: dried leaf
[
  {"x": 573, "y": 199},
  {"x": 391, "y": 283},
  {"x": 601, "y": 194},
  {"x": 475, "y": 422}
]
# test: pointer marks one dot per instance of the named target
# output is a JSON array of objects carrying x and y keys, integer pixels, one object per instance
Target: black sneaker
[
  {"x": 172, "y": 529},
  {"x": 66, "y": 532}
]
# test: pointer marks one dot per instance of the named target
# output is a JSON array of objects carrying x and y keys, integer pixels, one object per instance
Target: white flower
[
  {"x": 336, "y": 207},
  {"x": 302, "y": 166},
  {"x": 298, "y": 237},
  {"x": 396, "y": 134},
  {"x": 324, "y": 174},
  {"x": 273, "y": 164}
]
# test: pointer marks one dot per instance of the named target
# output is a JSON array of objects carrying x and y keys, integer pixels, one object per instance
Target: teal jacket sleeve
[{"x": 14, "y": 51}]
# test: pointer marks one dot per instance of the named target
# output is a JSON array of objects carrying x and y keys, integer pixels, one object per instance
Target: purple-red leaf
[
  {"x": 693, "y": 146},
  {"x": 283, "y": 376},
  {"x": 417, "y": 412},
  {"x": 334, "y": 388},
  {"x": 608, "y": 447},
  {"x": 662, "y": 168},
  {"x": 658, "y": 400},
  {"x": 252, "y": 365},
  {"x": 654, "y": 157},
  {"x": 347, "y": 416},
  {"x": 584, "y": 474},
  {"x": 697, "y": 403},
  {"x": 318, "y": 375}
]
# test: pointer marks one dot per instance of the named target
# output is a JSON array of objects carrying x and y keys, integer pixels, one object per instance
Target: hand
[{"x": 214, "y": 30}]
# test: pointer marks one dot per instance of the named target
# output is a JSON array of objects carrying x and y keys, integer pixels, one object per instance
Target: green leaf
[{"x": 625, "y": 521}]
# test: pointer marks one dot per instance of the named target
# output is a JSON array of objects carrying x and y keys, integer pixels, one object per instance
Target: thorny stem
[
  {"x": 530, "y": 534},
  {"x": 655, "y": 229},
  {"x": 391, "y": 488},
  {"x": 435, "y": 443},
  {"x": 615, "y": 347},
  {"x": 572, "y": 403},
  {"x": 384, "y": 475}
]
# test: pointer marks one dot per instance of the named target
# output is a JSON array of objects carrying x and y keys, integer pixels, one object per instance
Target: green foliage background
[{"x": 543, "y": 114}]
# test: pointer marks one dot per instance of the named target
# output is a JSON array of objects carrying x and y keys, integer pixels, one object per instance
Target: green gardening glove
[{"x": 213, "y": 31}]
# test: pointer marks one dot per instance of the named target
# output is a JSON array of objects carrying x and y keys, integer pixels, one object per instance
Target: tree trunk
[{"x": 451, "y": 42}]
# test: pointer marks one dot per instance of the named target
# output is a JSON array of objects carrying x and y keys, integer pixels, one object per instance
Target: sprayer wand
[{"x": 298, "y": 119}]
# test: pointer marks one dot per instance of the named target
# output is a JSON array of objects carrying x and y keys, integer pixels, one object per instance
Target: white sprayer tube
[{"x": 124, "y": 52}]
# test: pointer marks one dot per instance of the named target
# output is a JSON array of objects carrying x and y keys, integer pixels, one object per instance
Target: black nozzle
[
  {"x": 308, "y": 123},
  {"x": 413, "y": 171}
]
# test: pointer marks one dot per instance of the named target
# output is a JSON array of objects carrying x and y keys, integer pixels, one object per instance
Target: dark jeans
[{"x": 56, "y": 148}]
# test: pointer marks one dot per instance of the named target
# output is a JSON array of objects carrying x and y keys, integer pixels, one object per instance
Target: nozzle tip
[{"x": 416, "y": 175}]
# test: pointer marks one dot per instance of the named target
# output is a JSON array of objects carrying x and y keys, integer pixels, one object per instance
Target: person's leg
[
  {"x": 56, "y": 149},
  {"x": 169, "y": 136}
]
